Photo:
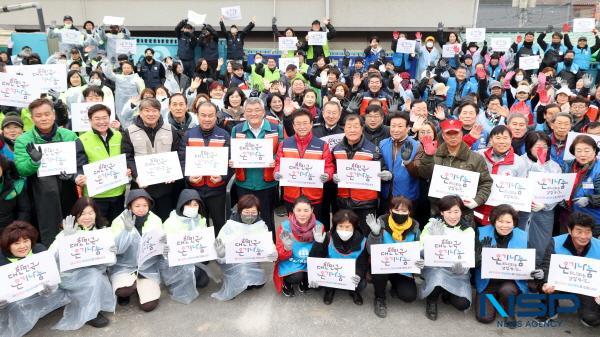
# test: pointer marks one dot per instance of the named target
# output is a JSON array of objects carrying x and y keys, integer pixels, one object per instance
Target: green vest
[
  {"x": 309, "y": 54},
  {"x": 95, "y": 151}
]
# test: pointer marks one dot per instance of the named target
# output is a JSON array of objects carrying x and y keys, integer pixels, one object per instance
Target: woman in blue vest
[
  {"x": 503, "y": 233},
  {"x": 344, "y": 241},
  {"x": 586, "y": 191},
  {"x": 398, "y": 226},
  {"x": 453, "y": 283},
  {"x": 294, "y": 240}
]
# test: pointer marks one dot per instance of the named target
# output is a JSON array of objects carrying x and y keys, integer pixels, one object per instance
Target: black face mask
[
  {"x": 568, "y": 62},
  {"x": 148, "y": 58},
  {"x": 399, "y": 218}
]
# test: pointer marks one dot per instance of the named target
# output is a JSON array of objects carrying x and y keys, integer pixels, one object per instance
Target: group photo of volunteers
[{"x": 452, "y": 170}]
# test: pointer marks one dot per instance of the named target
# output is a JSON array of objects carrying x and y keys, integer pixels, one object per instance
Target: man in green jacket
[{"x": 53, "y": 196}]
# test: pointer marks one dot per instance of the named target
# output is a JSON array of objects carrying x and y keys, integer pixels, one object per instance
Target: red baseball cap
[{"x": 451, "y": 125}]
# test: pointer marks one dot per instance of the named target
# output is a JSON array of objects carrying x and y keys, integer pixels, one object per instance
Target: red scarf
[
  {"x": 509, "y": 159},
  {"x": 302, "y": 232}
]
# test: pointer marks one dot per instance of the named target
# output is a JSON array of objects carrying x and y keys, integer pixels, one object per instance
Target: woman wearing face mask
[
  {"x": 125, "y": 275},
  {"x": 294, "y": 241},
  {"x": 127, "y": 85},
  {"x": 452, "y": 284},
  {"x": 182, "y": 281},
  {"x": 176, "y": 79},
  {"x": 394, "y": 227},
  {"x": 88, "y": 288},
  {"x": 17, "y": 242},
  {"x": 163, "y": 95},
  {"x": 344, "y": 241},
  {"x": 97, "y": 80},
  {"x": 585, "y": 197},
  {"x": 541, "y": 220},
  {"x": 501, "y": 234},
  {"x": 241, "y": 276}
]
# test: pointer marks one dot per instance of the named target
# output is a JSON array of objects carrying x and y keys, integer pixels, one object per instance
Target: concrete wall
[{"x": 346, "y": 15}]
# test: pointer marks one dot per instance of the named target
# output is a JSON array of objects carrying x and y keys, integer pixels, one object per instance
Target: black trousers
[
  {"x": 460, "y": 303},
  {"x": 329, "y": 205},
  {"x": 163, "y": 205},
  {"x": 404, "y": 286},
  {"x": 215, "y": 207},
  {"x": 296, "y": 278},
  {"x": 589, "y": 311},
  {"x": 110, "y": 208},
  {"x": 501, "y": 290},
  {"x": 268, "y": 201},
  {"x": 52, "y": 199}
]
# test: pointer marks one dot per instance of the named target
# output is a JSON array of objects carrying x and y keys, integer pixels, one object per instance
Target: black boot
[
  {"x": 123, "y": 300},
  {"x": 356, "y": 298},
  {"x": 380, "y": 307},
  {"x": 287, "y": 290},
  {"x": 99, "y": 322},
  {"x": 431, "y": 310},
  {"x": 303, "y": 287},
  {"x": 328, "y": 298}
]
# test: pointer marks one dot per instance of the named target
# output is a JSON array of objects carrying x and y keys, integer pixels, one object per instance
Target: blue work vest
[
  {"x": 335, "y": 254},
  {"x": 300, "y": 250}
]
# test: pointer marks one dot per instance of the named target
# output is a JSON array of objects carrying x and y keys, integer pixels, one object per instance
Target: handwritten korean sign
[
  {"x": 333, "y": 140},
  {"x": 317, "y": 38},
  {"x": 574, "y": 274},
  {"x": 105, "y": 174},
  {"x": 158, "y": 168},
  {"x": 359, "y": 174},
  {"x": 549, "y": 188},
  {"x": 475, "y": 34},
  {"x": 406, "y": 46},
  {"x": 301, "y": 172},
  {"x": 113, "y": 20},
  {"x": 287, "y": 43},
  {"x": 150, "y": 246},
  {"x": 195, "y": 18},
  {"x": 48, "y": 76},
  {"x": 529, "y": 62},
  {"x": 79, "y": 115},
  {"x": 71, "y": 36},
  {"x": 510, "y": 190},
  {"x": 249, "y": 248},
  {"x": 285, "y": 61},
  {"x": 126, "y": 46},
  {"x": 583, "y": 25},
  {"x": 251, "y": 153},
  {"x": 232, "y": 13},
  {"x": 446, "y": 250},
  {"x": 448, "y": 50},
  {"x": 395, "y": 258},
  {"x": 56, "y": 158},
  {"x": 86, "y": 248},
  {"x": 500, "y": 44},
  {"x": 18, "y": 90},
  {"x": 27, "y": 277},
  {"x": 447, "y": 180},
  {"x": 206, "y": 161},
  {"x": 192, "y": 247},
  {"x": 332, "y": 273},
  {"x": 507, "y": 264}
]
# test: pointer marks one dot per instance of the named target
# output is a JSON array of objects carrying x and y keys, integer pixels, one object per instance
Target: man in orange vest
[
  {"x": 305, "y": 146},
  {"x": 354, "y": 146}
]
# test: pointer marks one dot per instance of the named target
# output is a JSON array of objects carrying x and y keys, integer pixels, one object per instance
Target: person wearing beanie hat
[
  {"x": 314, "y": 51},
  {"x": 127, "y": 228},
  {"x": 475, "y": 52},
  {"x": 12, "y": 127},
  {"x": 428, "y": 55},
  {"x": 583, "y": 52},
  {"x": 57, "y": 33}
]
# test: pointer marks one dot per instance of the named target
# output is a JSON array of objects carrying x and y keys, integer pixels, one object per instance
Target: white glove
[
  {"x": 128, "y": 220},
  {"x": 324, "y": 177},
  {"x": 286, "y": 239},
  {"x": 355, "y": 280},
  {"x": 277, "y": 176},
  {"x": 69, "y": 227},
  {"x": 47, "y": 290},
  {"x": 220, "y": 248},
  {"x": 374, "y": 224},
  {"x": 420, "y": 263},
  {"x": 582, "y": 202},
  {"x": 112, "y": 249},
  {"x": 597, "y": 299},
  {"x": 470, "y": 203},
  {"x": 458, "y": 269},
  {"x": 537, "y": 274},
  {"x": 537, "y": 206},
  {"x": 313, "y": 284},
  {"x": 385, "y": 175},
  {"x": 336, "y": 179},
  {"x": 318, "y": 233},
  {"x": 166, "y": 250},
  {"x": 163, "y": 239},
  {"x": 436, "y": 227}
]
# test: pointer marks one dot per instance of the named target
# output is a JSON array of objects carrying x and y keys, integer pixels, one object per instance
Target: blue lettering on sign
[{"x": 534, "y": 303}]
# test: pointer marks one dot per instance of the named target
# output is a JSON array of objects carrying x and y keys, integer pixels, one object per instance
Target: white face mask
[
  {"x": 95, "y": 82},
  {"x": 429, "y": 44},
  {"x": 257, "y": 60},
  {"x": 190, "y": 212},
  {"x": 344, "y": 235},
  {"x": 519, "y": 78}
]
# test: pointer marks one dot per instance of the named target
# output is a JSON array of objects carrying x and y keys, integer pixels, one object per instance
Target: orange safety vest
[
  {"x": 356, "y": 194},
  {"x": 314, "y": 150}
]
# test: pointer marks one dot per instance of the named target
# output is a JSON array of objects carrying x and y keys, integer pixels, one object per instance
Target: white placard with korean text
[
  {"x": 448, "y": 50},
  {"x": 56, "y": 158},
  {"x": 47, "y": 76},
  {"x": 71, "y": 36},
  {"x": 332, "y": 273},
  {"x": 251, "y": 153},
  {"x": 507, "y": 263},
  {"x": 113, "y": 20},
  {"x": 286, "y": 61},
  {"x": 150, "y": 246},
  {"x": 550, "y": 188},
  {"x": 475, "y": 34},
  {"x": 333, "y": 140},
  {"x": 575, "y": 274},
  {"x": 249, "y": 248},
  {"x": 570, "y": 138},
  {"x": 510, "y": 190},
  {"x": 206, "y": 161},
  {"x": 232, "y": 13},
  {"x": 395, "y": 258},
  {"x": 195, "y": 18},
  {"x": 18, "y": 90},
  {"x": 288, "y": 43},
  {"x": 406, "y": 46},
  {"x": 359, "y": 174},
  {"x": 584, "y": 25},
  {"x": 500, "y": 44},
  {"x": 192, "y": 247},
  {"x": 86, "y": 248},
  {"x": 447, "y": 180},
  {"x": 126, "y": 46},
  {"x": 105, "y": 174},
  {"x": 301, "y": 172},
  {"x": 529, "y": 62},
  {"x": 447, "y": 250},
  {"x": 158, "y": 168},
  {"x": 80, "y": 121},
  {"x": 27, "y": 276},
  {"x": 316, "y": 38}
]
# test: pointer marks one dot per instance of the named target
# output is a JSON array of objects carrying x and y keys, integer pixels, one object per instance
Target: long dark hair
[
  {"x": 81, "y": 205},
  {"x": 534, "y": 137}
]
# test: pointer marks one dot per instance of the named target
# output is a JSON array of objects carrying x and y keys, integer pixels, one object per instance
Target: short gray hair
[
  {"x": 254, "y": 100},
  {"x": 150, "y": 103},
  {"x": 563, "y": 114},
  {"x": 515, "y": 115}
]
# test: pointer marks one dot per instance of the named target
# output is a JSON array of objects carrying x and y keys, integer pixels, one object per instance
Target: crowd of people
[{"x": 475, "y": 111}]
